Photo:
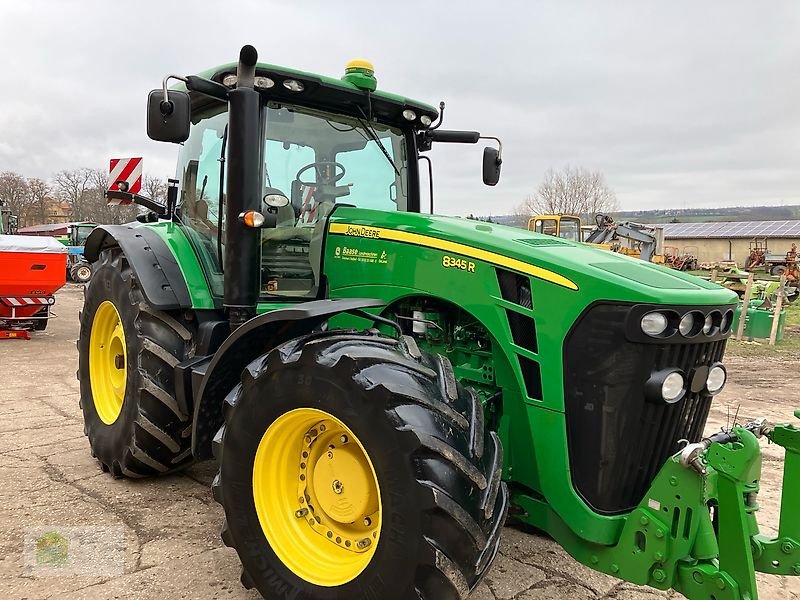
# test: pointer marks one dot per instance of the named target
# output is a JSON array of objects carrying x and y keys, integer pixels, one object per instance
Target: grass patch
[
  {"x": 790, "y": 346},
  {"x": 793, "y": 314}
]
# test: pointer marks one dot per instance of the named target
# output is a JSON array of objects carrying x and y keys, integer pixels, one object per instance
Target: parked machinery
[
  {"x": 8, "y": 222},
  {"x": 630, "y": 239},
  {"x": 679, "y": 260}
]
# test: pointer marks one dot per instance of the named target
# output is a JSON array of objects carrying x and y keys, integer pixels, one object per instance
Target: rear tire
[
  {"x": 436, "y": 468},
  {"x": 149, "y": 434},
  {"x": 81, "y": 272}
]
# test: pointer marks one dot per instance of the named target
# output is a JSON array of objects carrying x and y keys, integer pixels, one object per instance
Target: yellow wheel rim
[
  {"x": 108, "y": 360},
  {"x": 317, "y": 497}
]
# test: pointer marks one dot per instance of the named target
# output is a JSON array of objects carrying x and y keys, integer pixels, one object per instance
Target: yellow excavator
[{"x": 632, "y": 239}]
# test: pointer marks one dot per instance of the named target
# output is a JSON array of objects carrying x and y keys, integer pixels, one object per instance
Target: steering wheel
[{"x": 319, "y": 165}]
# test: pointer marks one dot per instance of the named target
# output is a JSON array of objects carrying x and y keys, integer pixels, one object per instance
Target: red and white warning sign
[{"x": 125, "y": 175}]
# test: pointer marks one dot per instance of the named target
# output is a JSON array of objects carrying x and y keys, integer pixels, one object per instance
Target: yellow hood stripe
[{"x": 394, "y": 235}]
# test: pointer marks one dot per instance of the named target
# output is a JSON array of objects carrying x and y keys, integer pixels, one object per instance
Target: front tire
[
  {"x": 127, "y": 354},
  {"x": 428, "y": 505}
]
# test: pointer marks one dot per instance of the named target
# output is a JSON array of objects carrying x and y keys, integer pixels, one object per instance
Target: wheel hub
[
  {"x": 337, "y": 483},
  {"x": 342, "y": 484}
]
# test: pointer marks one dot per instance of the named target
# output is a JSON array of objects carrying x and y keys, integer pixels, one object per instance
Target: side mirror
[
  {"x": 491, "y": 165},
  {"x": 168, "y": 121}
]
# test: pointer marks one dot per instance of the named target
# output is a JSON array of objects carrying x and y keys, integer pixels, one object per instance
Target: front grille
[{"x": 618, "y": 438}]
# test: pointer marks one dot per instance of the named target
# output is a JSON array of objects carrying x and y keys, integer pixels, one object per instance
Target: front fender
[{"x": 254, "y": 338}]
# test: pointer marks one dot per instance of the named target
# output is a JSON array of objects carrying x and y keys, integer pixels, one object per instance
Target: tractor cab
[
  {"x": 567, "y": 227},
  {"x": 312, "y": 143}
]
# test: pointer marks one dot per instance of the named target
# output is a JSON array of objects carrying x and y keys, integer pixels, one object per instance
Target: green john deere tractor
[{"x": 356, "y": 366}]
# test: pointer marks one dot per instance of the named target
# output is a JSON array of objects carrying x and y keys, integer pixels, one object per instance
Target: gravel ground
[{"x": 160, "y": 538}]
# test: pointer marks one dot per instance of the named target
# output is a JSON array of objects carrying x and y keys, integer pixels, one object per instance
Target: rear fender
[
  {"x": 152, "y": 262},
  {"x": 253, "y": 339}
]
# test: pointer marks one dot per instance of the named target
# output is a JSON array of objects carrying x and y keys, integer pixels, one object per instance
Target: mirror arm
[
  {"x": 126, "y": 198},
  {"x": 499, "y": 146},
  {"x": 166, "y": 105}
]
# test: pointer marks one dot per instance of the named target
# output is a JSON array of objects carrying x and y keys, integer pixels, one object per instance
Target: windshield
[
  {"x": 570, "y": 229},
  {"x": 82, "y": 234},
  {"x": 345, "y": 157}
]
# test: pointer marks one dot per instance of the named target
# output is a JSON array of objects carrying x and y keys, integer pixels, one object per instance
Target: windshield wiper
[{"x": 374, "y": 135}]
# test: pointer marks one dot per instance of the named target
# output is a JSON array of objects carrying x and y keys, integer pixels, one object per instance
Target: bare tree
[
  {"x": 39, "y": 191},
  {"x": 96, "y": 206},
  {"x": 155, "y": 188},
  {"x": 574, "y": 191},
  {"x": 71, "y": 186},
  {"x": 14, "y": 194}
]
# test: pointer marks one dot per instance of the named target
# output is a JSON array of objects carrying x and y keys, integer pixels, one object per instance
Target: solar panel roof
[{"x": 736, "y": 229}]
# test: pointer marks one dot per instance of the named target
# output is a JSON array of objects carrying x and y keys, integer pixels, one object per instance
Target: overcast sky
[{"x": 679, "y": 103}]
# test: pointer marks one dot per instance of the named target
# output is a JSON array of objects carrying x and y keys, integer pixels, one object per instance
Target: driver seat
[{"x": 285, "y": 228}]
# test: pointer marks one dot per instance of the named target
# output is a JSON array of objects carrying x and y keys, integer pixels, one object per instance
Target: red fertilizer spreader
[{"x": 32, "y": 270}]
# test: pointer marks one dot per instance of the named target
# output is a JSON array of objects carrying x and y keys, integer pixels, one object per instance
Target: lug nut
[
  {"x": 300, "y": 513},
  {"x": 343, "y": 439},
  {"x": 361, "y": 544},
  {"x": 367, "y": 521}
]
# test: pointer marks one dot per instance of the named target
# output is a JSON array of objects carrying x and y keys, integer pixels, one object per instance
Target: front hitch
[{"x": 781, "y": 555}]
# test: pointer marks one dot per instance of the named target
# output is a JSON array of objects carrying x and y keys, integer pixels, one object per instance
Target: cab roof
[{"x": 328, "y": 92}]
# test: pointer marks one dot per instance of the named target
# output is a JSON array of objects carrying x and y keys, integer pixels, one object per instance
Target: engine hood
[{"x": 567, "y": 264}]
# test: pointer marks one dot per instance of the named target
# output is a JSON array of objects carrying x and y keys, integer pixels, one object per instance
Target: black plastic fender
[
  {"x": 151, "y": 260},
  {"x": 254, "y": 338}
]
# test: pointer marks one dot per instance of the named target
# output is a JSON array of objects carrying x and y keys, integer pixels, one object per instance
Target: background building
[{"x": 711, "y": 242}]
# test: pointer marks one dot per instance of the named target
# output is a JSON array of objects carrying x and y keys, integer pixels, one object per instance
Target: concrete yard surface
[{"x": 160, "y": 538}]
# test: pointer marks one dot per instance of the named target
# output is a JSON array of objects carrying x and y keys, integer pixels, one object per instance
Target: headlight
[
  {"x": 708, "y": 324},
  {"x": 409, "y": 115},
  {"x": 689, "y": 324},
  {"x": 293, "y": 85},
  {"x": 716, "y": 379},
  {"x": 727, "y": 321},
  {"x": 666, "y": 386},
  {"x": 654, "y": 323},
  {"x": 263, "y": 83},
  {"x": 425, "y": 120},
  {"x": 673, "y": 387}
]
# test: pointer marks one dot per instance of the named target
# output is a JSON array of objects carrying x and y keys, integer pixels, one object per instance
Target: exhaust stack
[{"x": 243, "y": 193}]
